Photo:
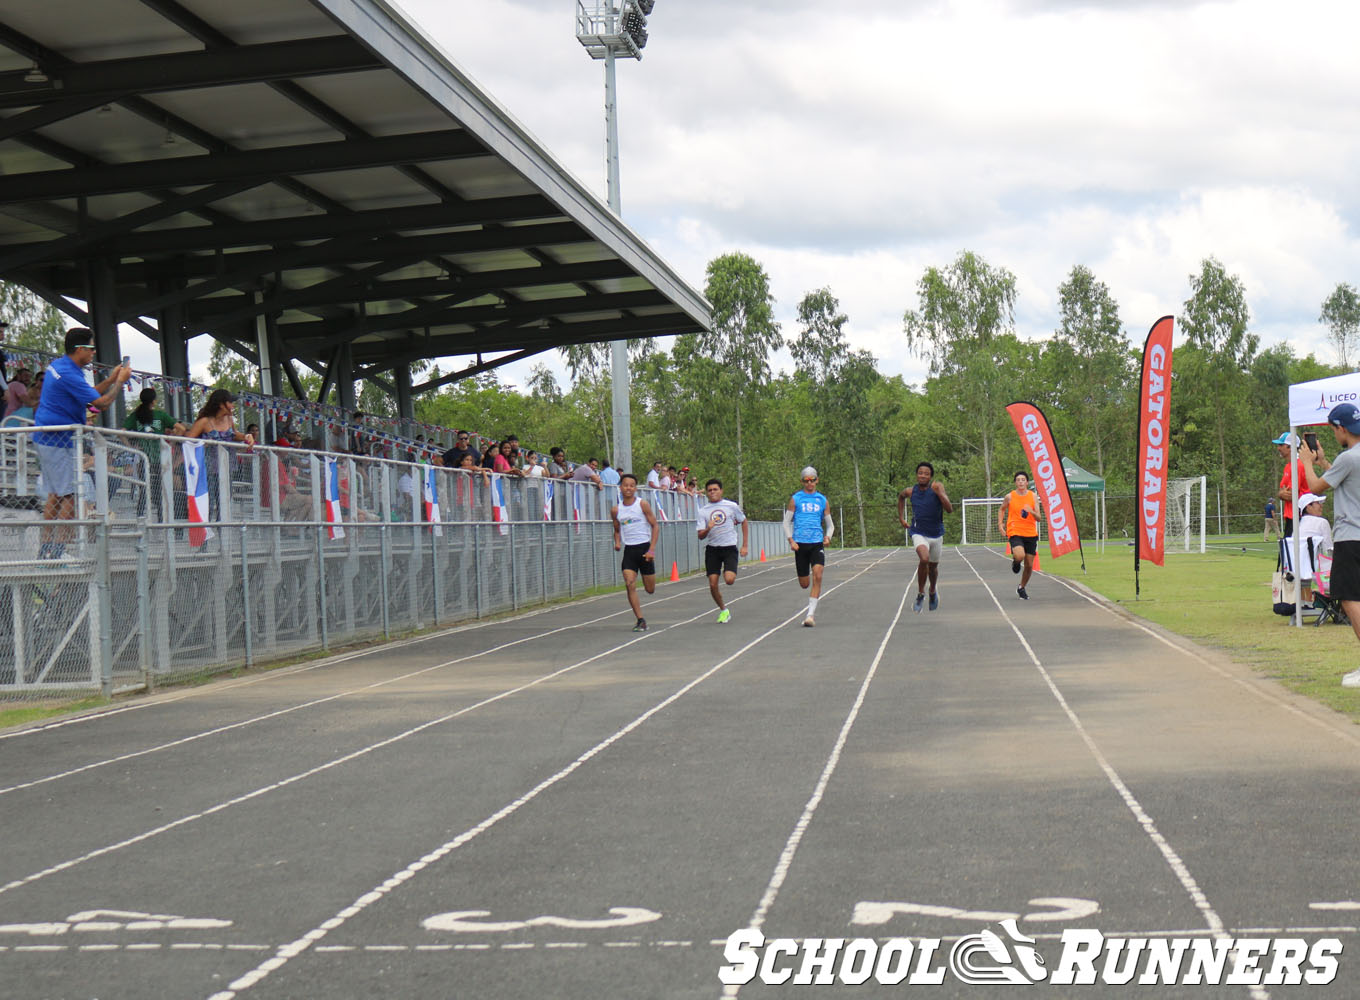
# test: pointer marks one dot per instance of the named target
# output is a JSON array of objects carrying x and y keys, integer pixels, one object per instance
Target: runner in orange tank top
[{"x": 1019, "y": 520}]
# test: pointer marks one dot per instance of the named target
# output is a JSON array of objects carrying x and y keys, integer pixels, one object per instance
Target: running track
[{"x": 553, "y": 806}]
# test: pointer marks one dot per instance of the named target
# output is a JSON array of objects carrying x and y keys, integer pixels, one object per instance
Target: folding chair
[{"x": 1328, "y": 607}]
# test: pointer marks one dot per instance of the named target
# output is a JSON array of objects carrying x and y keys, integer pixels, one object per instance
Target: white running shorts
[{"x": 935, "y": 545}]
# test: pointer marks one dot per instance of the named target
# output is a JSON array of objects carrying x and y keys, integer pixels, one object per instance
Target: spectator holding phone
[
  {"x": 1342, "y": 475},
  {"x": 65, "y": 400}
]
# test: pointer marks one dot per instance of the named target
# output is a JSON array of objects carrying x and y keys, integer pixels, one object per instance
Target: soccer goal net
[
  {"x": 980, "y": 522},
  {"x": 1185, "y": 514},
  {"x": 1185, "y": 517}
]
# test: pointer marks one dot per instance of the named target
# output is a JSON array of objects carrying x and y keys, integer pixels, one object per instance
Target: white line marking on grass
[
  {"x": 781, "y": 868},
  {"x": 290, "y": 951},
  {"x": 1173, "y": 860}
]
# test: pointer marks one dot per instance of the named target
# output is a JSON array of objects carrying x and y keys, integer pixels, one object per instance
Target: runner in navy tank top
[{"x": 929, "y": 504}]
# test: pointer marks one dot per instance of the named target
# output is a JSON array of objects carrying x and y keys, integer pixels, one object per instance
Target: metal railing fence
[{"x": 140, "y": 593}]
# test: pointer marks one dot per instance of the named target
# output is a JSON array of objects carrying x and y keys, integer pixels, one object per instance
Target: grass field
[{"x": 1222, "y": 599}]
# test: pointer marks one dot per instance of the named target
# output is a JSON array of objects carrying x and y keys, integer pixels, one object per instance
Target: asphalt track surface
[{"x": 553, "y": 806}]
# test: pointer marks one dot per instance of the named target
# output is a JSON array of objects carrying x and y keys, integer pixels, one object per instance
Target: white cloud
[{"x": 853, "y": 146}]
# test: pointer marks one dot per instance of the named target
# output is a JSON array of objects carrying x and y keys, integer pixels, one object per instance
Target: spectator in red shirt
[{"x": 1287, "y": 481}]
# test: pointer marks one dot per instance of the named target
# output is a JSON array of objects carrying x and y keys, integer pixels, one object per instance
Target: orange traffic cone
[
  {"x": 675, "y": 572},
  {"x": 762, "y": 555},
  {"x": 1036, "y": 560}
]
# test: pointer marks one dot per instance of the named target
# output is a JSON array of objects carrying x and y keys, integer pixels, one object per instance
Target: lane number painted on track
[
  {"x": 470, "y": 922},
  {"x": 93, "y": 921},
  {"x": 872, "y": 914}
]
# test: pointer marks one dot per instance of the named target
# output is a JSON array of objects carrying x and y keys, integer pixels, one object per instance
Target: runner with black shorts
[
  {"x": 1019, "y": 520},
  {"x": 636, "y": 532},
  {"x": 717, "y": 527},
  {"x": 808, "y": 527}
]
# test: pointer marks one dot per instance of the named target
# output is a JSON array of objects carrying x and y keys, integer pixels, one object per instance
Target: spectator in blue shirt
[{"x": 66, "y": 399}]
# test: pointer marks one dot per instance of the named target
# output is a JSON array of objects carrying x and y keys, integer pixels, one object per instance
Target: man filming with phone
[
  {"x": 1018, "y": 520},
  {"x": 66, "y": 399}
]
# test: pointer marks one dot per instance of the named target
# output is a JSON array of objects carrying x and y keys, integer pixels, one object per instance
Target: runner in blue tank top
[
  {"x": 808, "y": 527},
  {"x": 929, "y": 504}
]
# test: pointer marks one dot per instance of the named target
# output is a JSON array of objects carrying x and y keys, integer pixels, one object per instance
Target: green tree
[
  {"x": 743, "y": 334},
  {"x": 966, "y": 311},
  {"x": 34, "y": 323},
  {"x": 1341, "y": 313},
  {"x": 1089, "y": 362},
  {"x": 841, "y": 381},
  {"x": 1215, "y": 323}
]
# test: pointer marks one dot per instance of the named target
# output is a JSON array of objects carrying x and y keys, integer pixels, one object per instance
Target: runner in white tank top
[{"x": 636, "y": 532}]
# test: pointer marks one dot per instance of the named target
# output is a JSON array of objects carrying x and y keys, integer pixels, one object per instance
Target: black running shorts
[
  {"x": 1345, "y": 581},
  {"x": 1030, "y": 543},
  {"x": 634, "y": 558},
  {"x": 720, "y": 559},
  {"x": 809, "y": 554}
]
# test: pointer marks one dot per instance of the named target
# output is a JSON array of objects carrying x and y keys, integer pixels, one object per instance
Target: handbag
[{"x": 1324, "y": 573}]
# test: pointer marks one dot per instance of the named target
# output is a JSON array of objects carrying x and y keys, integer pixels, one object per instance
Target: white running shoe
[
  {"x": 808, "y": 622},
  {"x": 1351, "y": 680}
]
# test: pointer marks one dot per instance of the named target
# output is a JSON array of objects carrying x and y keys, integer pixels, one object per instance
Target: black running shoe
[
  {"x": 641, "y": 626},
  {"x": 1021, "y": 592},
  {"x": 1015, "y": 565}
]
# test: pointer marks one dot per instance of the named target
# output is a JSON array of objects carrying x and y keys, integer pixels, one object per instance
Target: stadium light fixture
[{"x": 609, "y": 30}]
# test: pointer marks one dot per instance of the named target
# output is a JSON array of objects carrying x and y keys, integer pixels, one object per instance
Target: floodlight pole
[
  {"x": 620, "y": 377},
  {"x": 599, "y": 28}
]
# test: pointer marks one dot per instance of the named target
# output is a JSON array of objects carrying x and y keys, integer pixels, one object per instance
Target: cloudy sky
[{"x": 853, "y": 145}]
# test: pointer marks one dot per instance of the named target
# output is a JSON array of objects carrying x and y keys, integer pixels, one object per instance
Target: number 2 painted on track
[{"x": 871, "y": 914}]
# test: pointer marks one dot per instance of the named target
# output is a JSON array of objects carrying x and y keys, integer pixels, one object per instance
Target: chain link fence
[{"x": 189, "y": 561}]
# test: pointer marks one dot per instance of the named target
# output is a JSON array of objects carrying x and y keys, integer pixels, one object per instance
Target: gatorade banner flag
[
  {"x": 498, "y": 512},
  {"x": 432, "y": 501},
  {"x": 1050, "y": 482},
  {"x": 1154, "y": 414},
  {"x": 547, "y": 499},
  {"x": 332, "y": 500},
  {"x": 196, "y": 488}
]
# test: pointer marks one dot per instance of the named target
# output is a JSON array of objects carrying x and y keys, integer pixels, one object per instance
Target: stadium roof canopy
[{"x": 301, "y": 179}]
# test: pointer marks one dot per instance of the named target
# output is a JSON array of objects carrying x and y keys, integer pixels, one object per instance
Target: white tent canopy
[{"x": 1310, "y": 402}]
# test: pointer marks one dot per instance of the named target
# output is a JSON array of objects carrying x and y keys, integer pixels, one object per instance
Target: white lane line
[
  {"x": 417, "y": 949},
  {"x": 1259, "y": 692},
  {"x": 1201, "y": 902},
  {"x": 781, "y": 868},
  {"x": 363, "y": 751},
  {"x": 219, "y": 730},
  {"x": 290, "y": 951},
  {"x": 330, "y": 661}
]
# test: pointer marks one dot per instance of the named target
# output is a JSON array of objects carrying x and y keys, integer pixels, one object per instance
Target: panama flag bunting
[
  {"x": 660, "y": 507},
  {"x": 498, "y": 511},
  {"x": 1050, "y": 482},
  {"x": 1154, "y": 417},
  {"x": 196, "y": 486},
  {"x": 432, "y": 502},
  {"x": 332, "y": 498},
  {"x": 547, "y": 501}
]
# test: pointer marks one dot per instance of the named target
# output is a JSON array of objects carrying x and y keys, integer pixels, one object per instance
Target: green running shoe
[{"x": 724, "y": 616}]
